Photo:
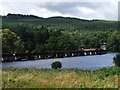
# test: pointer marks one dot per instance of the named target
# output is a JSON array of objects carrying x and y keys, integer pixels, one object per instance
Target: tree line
[{"x": 47, "y": 40}]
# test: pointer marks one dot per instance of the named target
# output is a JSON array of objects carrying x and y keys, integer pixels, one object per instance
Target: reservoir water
[{"x": 93, "y": 62}]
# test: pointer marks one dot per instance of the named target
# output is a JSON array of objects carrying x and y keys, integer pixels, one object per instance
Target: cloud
[
  {"x": 1, "y": 9},
  {"x": 84, "y": 10},
  {"x": 43, "y": 12}
]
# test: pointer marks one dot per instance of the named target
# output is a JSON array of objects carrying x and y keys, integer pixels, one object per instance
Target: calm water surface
[{"x": 82, "y": 62}]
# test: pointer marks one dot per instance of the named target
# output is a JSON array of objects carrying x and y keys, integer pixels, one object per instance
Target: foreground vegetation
[{"x": 60, "y": 78}]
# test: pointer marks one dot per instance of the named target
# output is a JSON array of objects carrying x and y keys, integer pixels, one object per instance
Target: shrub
[
  {"x": 56, "y": 65},
  {"x": 116, "y": 60}
]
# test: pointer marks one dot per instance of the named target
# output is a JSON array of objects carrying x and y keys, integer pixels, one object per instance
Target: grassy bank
[{"x": 60, "y": 78}]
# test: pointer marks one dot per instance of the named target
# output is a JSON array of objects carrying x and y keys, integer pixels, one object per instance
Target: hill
[{"x": 58, "y": 22}]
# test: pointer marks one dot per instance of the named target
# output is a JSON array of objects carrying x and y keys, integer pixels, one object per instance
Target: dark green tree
[
  {"x": 11, "y": 42},
  {"x": 116, "y": 60},
  {"x": 56, "y": 65}
]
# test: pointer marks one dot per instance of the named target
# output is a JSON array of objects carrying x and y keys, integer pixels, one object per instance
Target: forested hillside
[
  {"x": 62, "y": 23},
  {"x": 28, "y": 33}
]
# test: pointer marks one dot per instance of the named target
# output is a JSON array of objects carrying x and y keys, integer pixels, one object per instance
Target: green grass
[{"x": 60, "y": 78}]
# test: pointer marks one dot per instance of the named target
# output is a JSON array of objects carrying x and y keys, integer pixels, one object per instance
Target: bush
[
  {"x": 116, "y": 60},
  {"x": 56, "y": 65}
]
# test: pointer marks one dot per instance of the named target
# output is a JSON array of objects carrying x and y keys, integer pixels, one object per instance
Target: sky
[{"x": 89, "y": 9}]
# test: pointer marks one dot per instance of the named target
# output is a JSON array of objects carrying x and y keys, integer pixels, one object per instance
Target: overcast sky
[{"x": 84, "y": 10}]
